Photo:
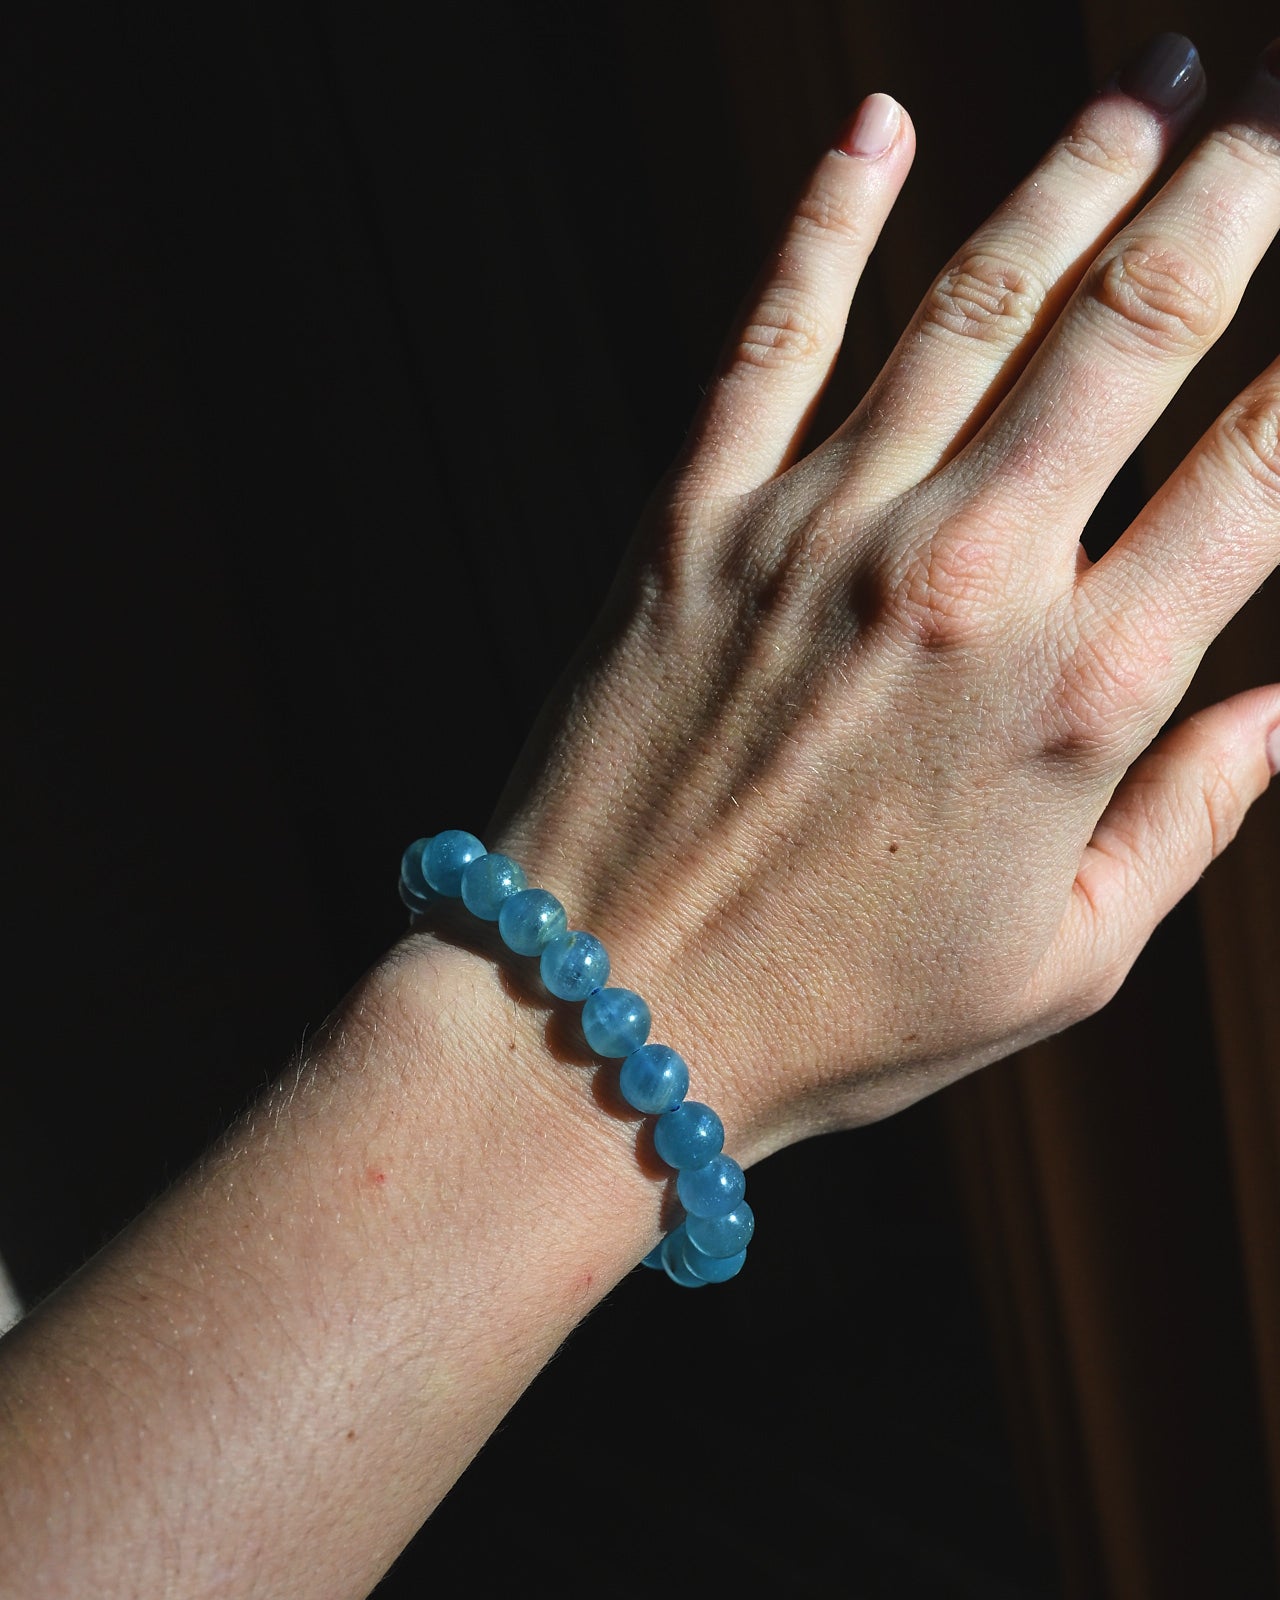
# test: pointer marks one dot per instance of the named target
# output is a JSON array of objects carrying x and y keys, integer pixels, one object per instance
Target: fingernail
[
  {"x": 1271, "y": 58},
  {"x": 1166, "y": 73},
  {"x": 1273, "y": 749},
  {"x": 872, "y": 128}
]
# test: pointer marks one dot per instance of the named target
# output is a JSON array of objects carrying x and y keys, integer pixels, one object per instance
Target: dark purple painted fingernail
[
  {"x": 1271, "y": 58},
  {"x": 1166, "y": 74}
]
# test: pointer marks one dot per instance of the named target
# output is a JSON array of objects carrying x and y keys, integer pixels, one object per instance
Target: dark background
[{"x": 337, "y": 338}]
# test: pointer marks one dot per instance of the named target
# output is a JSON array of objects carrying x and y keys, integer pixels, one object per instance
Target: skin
[{"x": 856, "y": 779}]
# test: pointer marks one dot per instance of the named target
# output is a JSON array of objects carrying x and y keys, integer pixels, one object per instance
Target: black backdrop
[{"x": 336, "y": 339}]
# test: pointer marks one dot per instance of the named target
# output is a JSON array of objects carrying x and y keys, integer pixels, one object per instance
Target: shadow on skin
[{"x": 562, "y": 1033}]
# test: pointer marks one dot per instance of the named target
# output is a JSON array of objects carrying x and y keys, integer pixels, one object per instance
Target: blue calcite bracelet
[{"x": 710, "y": 1244}]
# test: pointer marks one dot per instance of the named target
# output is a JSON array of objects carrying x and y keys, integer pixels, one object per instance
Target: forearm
[{"x": 266, "y": 1384}]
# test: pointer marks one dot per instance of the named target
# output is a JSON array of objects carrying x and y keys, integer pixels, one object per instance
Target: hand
[
  {"x": 855, "y": 782},
  {"x": 855, "y": 778}
]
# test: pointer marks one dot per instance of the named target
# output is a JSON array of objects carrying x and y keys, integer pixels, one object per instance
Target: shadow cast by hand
[{"x": 562, "y": 1036}]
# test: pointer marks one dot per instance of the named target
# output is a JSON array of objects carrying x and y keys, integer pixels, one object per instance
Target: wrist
[
  {"x": 366, "y": 1272},
  {"x": 687, "y": 1137},
  {"x": 475, "y": 1044}
]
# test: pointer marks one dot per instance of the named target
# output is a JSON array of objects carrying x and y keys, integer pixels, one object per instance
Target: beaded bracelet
[{"x": 710, "y": 1244}]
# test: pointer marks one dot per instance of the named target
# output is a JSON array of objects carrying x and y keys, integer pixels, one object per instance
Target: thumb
[{"x": 1177, "y": 808}]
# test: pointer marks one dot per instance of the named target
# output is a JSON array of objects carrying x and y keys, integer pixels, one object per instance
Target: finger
[
  {"x": 1177, "y": 808},
  {"x": 1204, "y": 543},
  {"x": 1148, "y": 309},
  {"x": 989, "y": 308},
  {"x": 774, "y": 368}
]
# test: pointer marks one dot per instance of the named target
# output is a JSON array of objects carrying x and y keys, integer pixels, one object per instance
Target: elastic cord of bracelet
[{"x": 710, "y": 1244}]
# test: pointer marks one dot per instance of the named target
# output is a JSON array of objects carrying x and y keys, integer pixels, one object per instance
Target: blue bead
[
  {"x": 712, "y": 1269},
  {"x": 530, "y": 920},
  {"x": 573, "y": 964},
  {"x": 688, "y": 1136},
  {"x": 419, "y": 904},
  {"x": 488, "y": 883},
  {"x": 722, "y": 1236},
  {"x": 673, "y": 1247},
  {"x": 654, "y": 1258},
  {"x": 411, "y": 868},
  {"x": 713, "y": 1190},
  {"x": 615, "y": 1022},
  {"x": 654, "y": 1079},
  {"x": 447, "y": 854}
]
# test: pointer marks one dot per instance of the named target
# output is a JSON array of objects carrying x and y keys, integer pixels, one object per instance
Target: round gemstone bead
[
  {"x": 488, "y": 883},
  {"x": 573, "y": 964},
  {"x": 411, "y": 867},
  {"x": 712, "y": 1269},
  {"x": 713, "y": 1190},
  {"x": 615, "y": 1022},
  {"x": 654, "y": 1079},
  {"x": 725, "y": 1235},
  {"x": 673, "y": 1248},
  {"x": 419, "y": 904},
  {"x": 710, "y": 1245},
  {"x": 689, "y": 1135},
  {"x": 529, "y": 920},
  {"x": 446, "y": 856},
  {"x": 654, "y": 1258}
]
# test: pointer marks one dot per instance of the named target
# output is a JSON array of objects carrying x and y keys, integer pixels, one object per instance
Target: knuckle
[
  {"x": 1224, "y": 809},
  {"x": 1099, "y": 150},
  {"x": 825, "y": 214},
  {"x": 1160, "y": 294},
  {"x": 673, "y": 573},
  {"x": 785, "y": 330},
  {"x": 947, "y": 596},
  {"x": 1249, "y": 438},
  {"x": 985, "y": 296},
  {"x": 823, "y": 537},
  {"x": 1254, "y": 146},
  {"x": 1101, "y": 690}
]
